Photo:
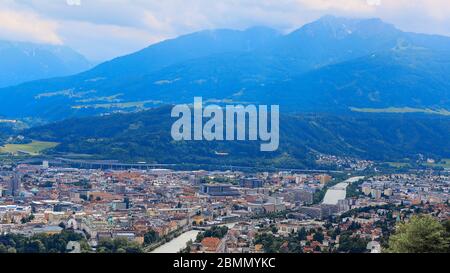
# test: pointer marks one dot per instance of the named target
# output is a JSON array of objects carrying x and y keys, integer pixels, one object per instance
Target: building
[
  {"x": 251, "y": 183},
  {"x": 45, "y": 164},
  {"x": 328, "y": 210},
  {"x": 313, "y": 212},
  {"x": 374, "y": 247},
  {"x": 120, "y": 188},
  {"x": 118, "y": 206},
  {"x": 324, "y": 179},
  {"x": 212, "y": 245},
  {"x": 376, "y": 193},
  {"x": 73, "y": 247},
  {"x": 343, "y": 205},
  {"x": 48, "y": 230},
  {"x": 219, "y": 190},
  {"x": 320, "y": 211},
  {"x": 302, "y": 196},
  {"x": 366, "y": 189},
  {"x": 14, "y": 185},
  {"x": 388, "y": 192}
]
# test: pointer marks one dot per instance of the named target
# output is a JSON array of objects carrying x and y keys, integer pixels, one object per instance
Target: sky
[{"x": 104, "y": 29}]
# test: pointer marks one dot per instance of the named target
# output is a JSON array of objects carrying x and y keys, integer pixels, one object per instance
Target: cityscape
[
  {"x": 167, "y": 211},
  {"x": 242, "y": 134}
]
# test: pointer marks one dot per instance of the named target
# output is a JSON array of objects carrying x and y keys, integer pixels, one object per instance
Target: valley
[
  {"x": 33, "y": 149},
  {"x": 331, "y": 137},
  {"x": 146, "y": 136},
  {"x": 404, "y": 110}
]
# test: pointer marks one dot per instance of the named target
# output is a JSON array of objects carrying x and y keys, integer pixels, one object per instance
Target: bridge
[
  {"x": 97, "y": 164},
  {"x": 116, "y": 165}
]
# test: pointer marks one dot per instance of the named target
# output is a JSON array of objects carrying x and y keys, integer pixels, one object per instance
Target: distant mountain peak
[
  {"x": 341, "y": 27},
  {"x": 25, "y": 61},
  {"x": 331, "y": 63},
  {"x": 262, "y": 29},
  {"x": 335, "y": 20}
]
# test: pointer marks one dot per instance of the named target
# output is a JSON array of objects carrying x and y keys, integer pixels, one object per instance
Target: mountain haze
[
  {"x": 329, "y": 65},
  {"x": 21, "y": 62}
]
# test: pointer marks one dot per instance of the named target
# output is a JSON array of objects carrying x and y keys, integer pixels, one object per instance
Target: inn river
[
  {"x": 332, "y": 197},
  {"x": 180, "y": 242},
  {"x": 339, "y": 192}
]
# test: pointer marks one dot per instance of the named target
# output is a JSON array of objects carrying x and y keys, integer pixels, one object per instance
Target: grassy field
[
  {"x": 119, "y": 105},
  {"x": 33, "y": 148},
  {"x": 445, "y": 163},
  {"x": 399, "y": 164},
  {"x": 8, "y": 121},
  {"x": 402, "y": 110}
]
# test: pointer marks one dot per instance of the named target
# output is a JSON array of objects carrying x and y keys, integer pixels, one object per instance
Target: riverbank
[
  {"x": 178, "y": 243},
  {"x": 339, "y": 191}
]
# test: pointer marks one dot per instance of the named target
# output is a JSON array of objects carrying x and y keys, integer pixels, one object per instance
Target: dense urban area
[{"x": 60, "y": 208}]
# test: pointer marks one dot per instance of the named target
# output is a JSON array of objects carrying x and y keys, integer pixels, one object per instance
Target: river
[
  {"x": 178, "y": 243},
  {"x": 181, "y": 241},
  {"x": 339, "y": 192}
]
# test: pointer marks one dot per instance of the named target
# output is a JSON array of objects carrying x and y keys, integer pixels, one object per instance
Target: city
[
  {"x": 235, "y": 136},
  {"x": 167, "y": 211}
]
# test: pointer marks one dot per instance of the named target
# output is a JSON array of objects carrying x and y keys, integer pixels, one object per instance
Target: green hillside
[{"x": 145, "y": 136}]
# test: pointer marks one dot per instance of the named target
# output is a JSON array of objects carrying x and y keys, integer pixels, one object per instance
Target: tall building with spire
[{"x": 15, "y": 184}]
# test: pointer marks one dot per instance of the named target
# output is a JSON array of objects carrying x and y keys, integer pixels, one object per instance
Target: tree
[
  {"x": 27, "y": 219},
  {"x": 118, "y": 245},
  {"x": 35, "y": 246},
  {"x": 3, "y": 249},
  {"x": 188, "y": 247},
  {"x": 200, "y": 237},
  {"x": 151, "y": 237},
  {"x": 446, "y": 225},
  {"x": 12, "y": 250},
  {"x": 352, "y": 244},
  {"x": 354, "y": 226},
  {"x": 271, "y": 243},
  {"x": 42, "y": 243},
  {"x": 127, "y": 202},
  {"x": 218, "y": 232},
  {"x": 274, "y": 229},
  {"x": 422, "y": 234},
  {"x": 318, "y": 236},
  {"x": 302, "y": 234}
]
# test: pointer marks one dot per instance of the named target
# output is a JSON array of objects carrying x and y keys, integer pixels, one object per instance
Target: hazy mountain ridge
[
  {"x": 328, "y": 65},
  {"x": 21, "y": 62},
  {"x": 145, "y": 136}
]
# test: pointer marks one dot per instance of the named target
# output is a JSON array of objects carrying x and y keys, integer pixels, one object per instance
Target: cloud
[
  {"x": 28, "y": 26},
  {"x": 103, "y": 29},
  {"x": 373, "y": 2},
  {"x": 339, "y": 5},
  {"x": 73, "y": 2},
  {"x": 102, "y": 41},
  {"x": 434, "y": 9}
]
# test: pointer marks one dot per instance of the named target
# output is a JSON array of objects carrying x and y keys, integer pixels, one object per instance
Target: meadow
[{"x": 33, "y": 148}]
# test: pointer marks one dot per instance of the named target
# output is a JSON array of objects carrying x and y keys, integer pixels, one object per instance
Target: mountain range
[
  {"x": 330, "y": 65},
  {"x": 22, "y": 62},
  {"x": 146, "y": 136}
]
